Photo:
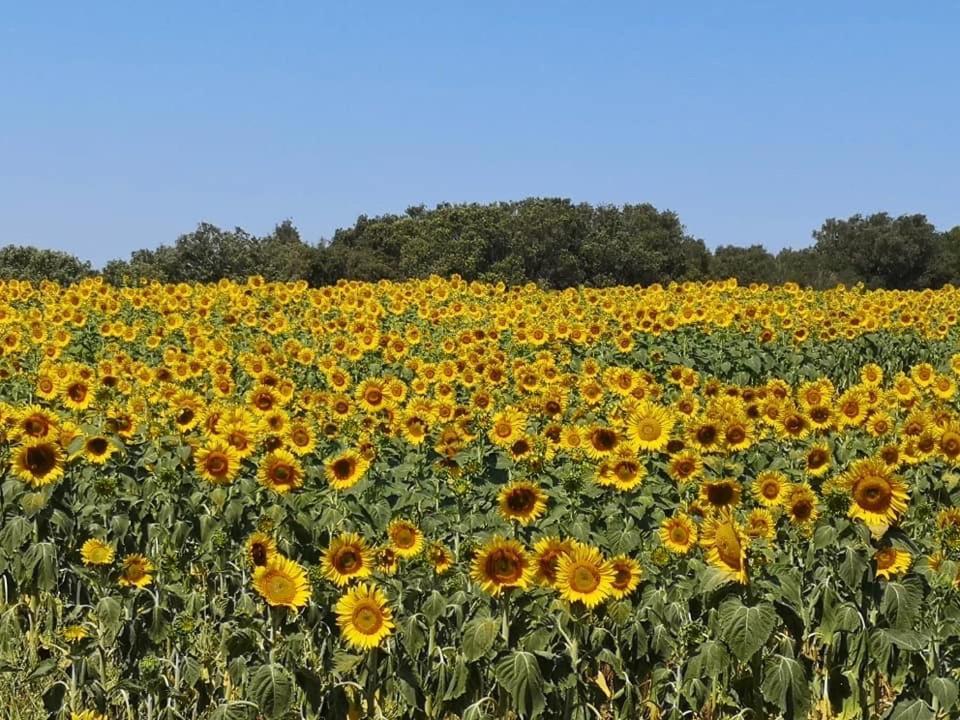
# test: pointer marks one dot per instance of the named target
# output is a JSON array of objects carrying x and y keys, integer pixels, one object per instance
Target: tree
[
  {"x": 878, "y": 250},
  {"x": 752, "y": 264},
  {"x": 35, "y": 264}
]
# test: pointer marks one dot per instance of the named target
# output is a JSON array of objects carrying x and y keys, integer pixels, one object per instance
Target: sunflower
[
  {"x": 501, "y": 563},
  {"x": 38, "y": 462},
  {"x": 76, "y": 394},
  {"x": 801, "y": 505},
  {"x": 737, "y": 434},
  {"x": 386, "y": 560},
  {"x": 891, "y": 561},
  {"x": 723, "y": 539},
  {"x": 685, "y": 467},
  {"x": 948, "y": 442},
  {"x": 877, "y": 496},
  {"x": 678, "y": 533},
  {"x": 261, "y": 548},
  {"x": 704, "y": 435},
  {"x": 364, "y": 617},
  {"x": 217, "y": 462},
  {"x": 87, "y": 715},
  {"x": 720, "y": 493},
  {"x": 623, "y": 471},
  {"x": 507, "y": 426},
  {"x": 280, "y": 471},
  {"x": 817, "y": 459},
  {"x": 136, "y": 571},
  {"x": 301, "y": 438},
  {"x": 405, "y": 538},
  {"x": 522, "y": 501},
  {"x": 440, "y": 557},
  {"x": 879, "y": 424},
  {"x": 627, "y": 574},
  {"x": 760, "y": 525},
  {"x": 343, "y": 471},
  {"x": 75, "y": 633},
  {"x": 547, "y": 552},
  {"x": 584, "y": 576},
  {"x": 347, "y": 558},
  {"x": 98, "y": 449},
  {"x": 649, "y": 426},
  {"x": 600, "y": 441},
  {"x": 282, "y": 583},
  {"x": 34, "y": 422},
  {"x": 771, "y": 488},
  {"x": 96, "y": 552}
]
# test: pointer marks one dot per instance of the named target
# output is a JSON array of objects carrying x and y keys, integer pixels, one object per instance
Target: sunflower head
[
  {"x": 891, "y": 561},
  {"x": 876, "y": 496},
  {"x": 347, "y": 558},
  {"x": 500, "y": 564},
  {"x": 136, "y": 571},
  {"x": 364, "y": 617},
  {"x": 260, "y": 549},
  {"x": 280, "y": 471},
  {"x": 440, "y": 557},
  {"x": 38, "y": 462},
  {"x": 96, "y": 552},
  {"x": 726, "y": 550},
  {"x": 627, "y": 574},
  {"x": 282, "y": 583},
  {"x": 584, "y": 576},
  {"x": 678, "y": 533},
  {"x": 547, "y": 552},
  {"x": 406, "y": 539},
  {"x": 522, "y": 501},
  {"x": 343, "y": 471},
  {"x": 720, "y": 493}
]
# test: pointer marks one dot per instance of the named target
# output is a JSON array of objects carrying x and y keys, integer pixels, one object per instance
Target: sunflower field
[{"x": 442, "y": 499}]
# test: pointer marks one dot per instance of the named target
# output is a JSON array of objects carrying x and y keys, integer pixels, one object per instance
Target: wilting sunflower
[
  {"x": 136, "y": 571},
  {"x": 891, "y": 561},
  {"x": 218, "y": 462},
  {"x": 260, "y": 549},
  {"x": 760, "y": 525},
  {"x": 584, "y": 576},
  {"x": 280, "y": 471},
  {"x": 627, "y": 574},
  {"x": 439, "y": 557},
  {"x": 724, "y": 542},
  {"x": 386, "y": 560},
  {"x": 343, "y": 471},
  {"x": 720, "y": 493},
  {"x": 347, "y": 558},
  {"x": 75, "y": 633},
  {"x": 282, "y": 583},
  {"x": 771, "y": 488},
  {"x": 501, "y": 563},
  {"x": 405, "y": 538},
  {"x": 801, "y": 505},
  {"x": 877, "y": 496},
  {"x": 522, "y": 501},
  {"x": 649, "y": 426},
  {"x": 364, "y": 617},
  {"x": 38, "y": 462},
  {"x": 678, "y": 533},
  {"x": 547, "y": 552},
  {"x": 96, "y": 552}
]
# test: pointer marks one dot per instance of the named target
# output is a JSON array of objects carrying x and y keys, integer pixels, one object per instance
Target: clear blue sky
[{"x": 124, "y": 124}]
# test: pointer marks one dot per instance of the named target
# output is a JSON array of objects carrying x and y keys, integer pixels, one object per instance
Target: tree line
[{"x": 552, "y": 242}]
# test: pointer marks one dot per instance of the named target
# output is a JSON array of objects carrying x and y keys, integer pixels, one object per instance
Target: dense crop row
[{"x": 440, "y": 499}]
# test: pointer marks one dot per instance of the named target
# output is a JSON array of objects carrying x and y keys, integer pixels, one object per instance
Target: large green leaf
[
  {"x": 901, "y": 602},
  {"x": 944, "y": 690},
  {"x": 478, "y": 636},
  {"x": 519, "y": 675},
  {"x": 785, "y": 685},
  {"x": 745, "y": 629},
  {"x": 271, "y": 688}
]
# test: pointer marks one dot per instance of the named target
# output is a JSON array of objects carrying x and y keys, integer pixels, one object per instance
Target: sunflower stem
[{"x": 505, "y": 618}]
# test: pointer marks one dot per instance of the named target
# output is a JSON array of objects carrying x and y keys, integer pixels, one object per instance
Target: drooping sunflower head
[
  {"x": 678, "y": 533},
  {"x": 522, "y": 501},
  {"x": 347, "y": 558},
  {"x": 584, "y": 576},
  {"x": 343, "y": 471},
  {"x": 136, "y": 571},
  {"x": 260, "y": 549},
  {"x": 405, "y": 538},
  {"x": 280, "y": 471},
  {"x": 386, "y": 560},
  {"x": 891, "y": 561},
  {"x": 38, "y": 462},
  {"x": 282, "y": 582},
  {"x": 501, "y": 563},
  {"x": 627, "y": 574},
  {"x": 726, "y": 550},
  {"x": 440, "y": 557},
  {"x": 96, "y": 552},
  {"x": 877, "y": 496},
  {"x": 364, "y": 617},
  {"x": 75, "y": 633}
]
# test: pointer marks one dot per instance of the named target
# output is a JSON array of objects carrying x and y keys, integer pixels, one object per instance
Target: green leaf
[
  {"x": 344, "y": 662},
  {"x": 746, "y": 629},
  {"x": 271, "y": 688},
  {"x": 852, "y": 568},
  {"x": 434, "y": 607},
  {"x": 944, "y": 690},
  {"x": 911, "y": 710},
  {"x": 903, "y": 639},
  {"x": 901, "y": 602},
  {"x": 478, "y": 637},
  {"x": 711, "y": 661},
  {"x": 457, "y": 684},
  {"x": 785, "y": 685},
  {"x": 237, "y": 710},
  {"x": 519, "y": 675},
  {"x": 109, "y": 613}
]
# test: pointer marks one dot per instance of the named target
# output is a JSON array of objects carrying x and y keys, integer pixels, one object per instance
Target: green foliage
[{"x": 34, "y": 264}]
